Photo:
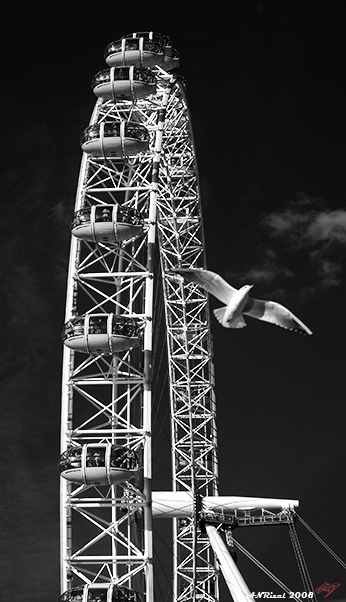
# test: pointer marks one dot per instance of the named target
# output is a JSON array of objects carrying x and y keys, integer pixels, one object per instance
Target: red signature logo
[{"x": 327, "y": 587}]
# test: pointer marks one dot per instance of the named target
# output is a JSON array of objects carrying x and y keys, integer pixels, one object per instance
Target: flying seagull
[{"x": 238, "y": 302}]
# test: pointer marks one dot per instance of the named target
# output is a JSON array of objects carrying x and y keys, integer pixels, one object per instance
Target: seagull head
[{"x": 246, "y": 287}]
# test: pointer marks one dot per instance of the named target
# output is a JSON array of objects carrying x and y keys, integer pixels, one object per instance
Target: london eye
[{"x": 137, "y": 335}]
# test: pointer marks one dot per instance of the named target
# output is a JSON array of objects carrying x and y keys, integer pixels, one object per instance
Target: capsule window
[
  {"x": 73, "y": 327},
  {"x": 103, "y": 213},
  {"x": 98, "y": 456},
  {"x": 144, "y": 75},
  {"x": 115, "y": 130},
  {"x": 123, "y": 457},
  {"x": 127, "y": 215},
  {"x": 102, "y": 77},
  {"x": 122, "y": 73},
  {"x": 124, "y": 326},
  {"x": 151, "y": 46},
  {"x": 88, "y": 134},
  {"x": 137, "y": 131},
  {"x": 113, "y": 333},
  {"x": 95, "y": 456},
  {"x": 77, "y": 595},
  {"x": 115, "y": 46},
  {"x": 132, "y": 44},
  {"x": 98, "y": 324},
  {"x": 81, "y": 217},
  {"x": 93, "y": 131},
  {"x": 88, "y": 594},
  {"x": 111, "y": 129},
  {"x": 71, "y": 458},
  {"x": 150, "y": 42}
]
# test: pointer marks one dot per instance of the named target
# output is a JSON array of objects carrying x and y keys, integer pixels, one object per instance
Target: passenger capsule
[
  {"x": 101, "y": 333},
  {"x": 100, "y": 593},
  {"x": 144, "y": 49},
  {"x": 124, "y": 83},
  {"x": 107, "y": 223},
  {"x": 115, "y": 139},
  {"x": 98, "y": 464}
]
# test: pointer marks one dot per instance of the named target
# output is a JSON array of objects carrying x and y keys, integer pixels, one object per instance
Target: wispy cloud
[{"x": 300, "y": 246}]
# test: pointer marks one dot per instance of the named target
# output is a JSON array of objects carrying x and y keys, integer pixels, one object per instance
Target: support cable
[
  {"x": 303, "y": 569},
  {"x": 322, "y": 542},
  {"x": 265, "y": 570}
]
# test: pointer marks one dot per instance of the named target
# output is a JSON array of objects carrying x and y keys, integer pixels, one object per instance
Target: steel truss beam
[{"x": 191, "y": 376}]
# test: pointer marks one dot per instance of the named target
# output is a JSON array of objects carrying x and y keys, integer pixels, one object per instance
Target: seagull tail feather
[{"x": 220, "y": 314}]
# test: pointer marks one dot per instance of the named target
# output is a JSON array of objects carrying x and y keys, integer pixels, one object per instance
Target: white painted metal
[
  {"x": 106, "y": 532},
  {"x": 180, "y": 504},
  {"x": 234, "y": 579},
  {"x": 191, "y": 376}
]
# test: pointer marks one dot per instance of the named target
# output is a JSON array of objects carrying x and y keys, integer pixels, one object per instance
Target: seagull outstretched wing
[
  {"x": 273, "y": 312},
  {"x": 211, "y": 282}
]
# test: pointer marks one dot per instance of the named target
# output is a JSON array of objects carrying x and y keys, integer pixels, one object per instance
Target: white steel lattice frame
[
  {"x": 106, "y": 532},
  {"x": 194, "y": 439}
]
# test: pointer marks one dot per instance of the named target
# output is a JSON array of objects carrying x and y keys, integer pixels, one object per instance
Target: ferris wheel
[{"x": 137, "y": 218}]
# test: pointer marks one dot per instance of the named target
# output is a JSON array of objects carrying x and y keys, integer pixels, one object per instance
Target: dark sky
[{"x": 266, "y": 89}]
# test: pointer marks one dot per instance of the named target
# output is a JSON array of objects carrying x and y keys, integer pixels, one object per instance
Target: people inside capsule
[
  {"x": 73, "y": 595},
  {"x": 71, "y": 458},
  {"x": 121, "y": 457},
  {"x": 125, "y": 326},
  {"x": 106, "y": 215},
  {"x": 124, "y": 82},
  {"x": 124, "y": 215},
  {"x": 136, "y": 130},
  {"x": 132, "y": 44},
  {"x": 119, "y": 594},
  {"x": 93, "y": 131},
  {"x": 140, "y": 74},
  {"x": 156, "y": 42},
  {"x": 113, "y": 47},
  {"x": 128, "y": 215},
  {"x": 152, "y": 42},
  {"x": 121, "y": 325},
  {"x": 73, "y": 327},
  {"x": 98, "y": 325},
  {"x": 112, "y": 129}
]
